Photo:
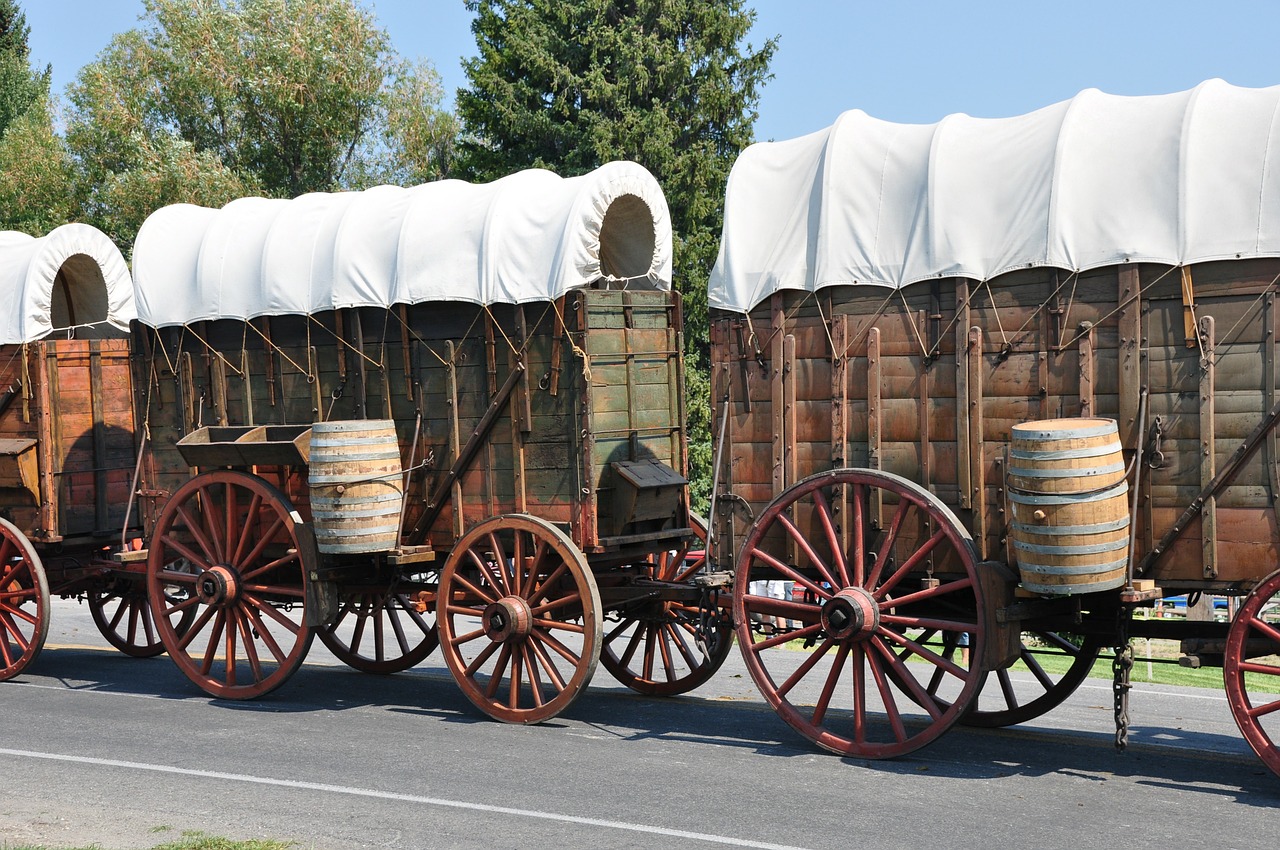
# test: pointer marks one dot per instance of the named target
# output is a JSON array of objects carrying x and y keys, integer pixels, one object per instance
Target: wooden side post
[
  {"x": 1086, "y": 368},
  {"x": 874, "y": 456},
  {"x": 977, "y": 482},
  {"x": 964, "y": 460},
  {"x": 1130, "y": 376},
  {"x": 1209, "y": 516}
]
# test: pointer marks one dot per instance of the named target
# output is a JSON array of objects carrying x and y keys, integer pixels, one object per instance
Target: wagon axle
[
  {"x": 507, "y": 619},
  {"x": 218, "y": 586},
  {"x": 851, "y": 615}
]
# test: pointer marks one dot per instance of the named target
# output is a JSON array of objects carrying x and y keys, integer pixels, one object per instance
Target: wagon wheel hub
[
  {"x": 507, "y": 619},
  {"x": 852, "y": 614},
  {"x": 218, "y": 586}
]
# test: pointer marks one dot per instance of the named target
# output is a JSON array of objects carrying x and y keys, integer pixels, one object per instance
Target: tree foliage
[
  {"x": 414, "y": 140},
  {"x": 211, "y": 99},
  {"x": 571, "y": 84},
  {"x": 21, "y": 87},
  {"x": 36, "y": 175},
  {"x": 34, "y": 170}
]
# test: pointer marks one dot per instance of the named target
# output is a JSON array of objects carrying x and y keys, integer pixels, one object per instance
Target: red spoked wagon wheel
[
  {"x": 24, "y": 602},
  {"x": 1251, "y": 670},
  {"x": 229, "y": 543},
  {"x": 1006, "y": 699},
  {"x": 380, "y": 632},
  {"x": 860, "y": 651},
  {"x": 122, "y": 613},
  {"x": 654, "y": 648},
  {"x": 519, "y": 618}
]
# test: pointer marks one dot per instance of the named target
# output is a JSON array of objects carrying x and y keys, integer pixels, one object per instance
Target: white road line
[
  {"x": 91, "y": 690},
  {"x": 407, "y": 798}
]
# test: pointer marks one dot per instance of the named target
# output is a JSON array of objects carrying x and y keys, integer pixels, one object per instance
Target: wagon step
[
  {"x": 718, "y": 579},
  {"x": 406, "y": 555}
]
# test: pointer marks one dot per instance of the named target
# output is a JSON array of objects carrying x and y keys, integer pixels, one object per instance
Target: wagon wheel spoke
[
  {"x": 246, "y": 537},
  {"x": 255, "y": 571},
  {"x": 206, "y": 614},
  {"x": 24, "y": 602},
  {"x": 888, "y": 543},
  {"x": 261, "y": 540},
  {"x": 881, "y": 677},
  {"x": 535, "y": 679},
  {"x": 662, "y": 635},
  {"x": 519, "y": 617},
  {"x": 815, "y": 560},
  {"x": 123, "y": 616},
  {"x": 179, "y": 549},
  {"x": 1021, "y": 696},
  {"x": 250, "y": 651},
  {"x": 886, "y": 697},
  {"x": 1251, "y": 670},
  {"x": 197, "y": 530},
  {"x": 842, "y": 578},
  {"x": 226, "y": 584},
  {"x": 400, "y": 637}
]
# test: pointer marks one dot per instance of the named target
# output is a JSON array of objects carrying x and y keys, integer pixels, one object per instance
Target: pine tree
[{"x": 571, "y": 84}]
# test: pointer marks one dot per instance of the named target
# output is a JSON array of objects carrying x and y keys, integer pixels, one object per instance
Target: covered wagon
[
  {"x": 990, "y": 386},
  {"x": 66, "y": 439},
  {"x": 400, "y": 418}
]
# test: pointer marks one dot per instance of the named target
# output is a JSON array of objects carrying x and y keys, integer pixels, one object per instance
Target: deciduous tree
[{"x": 277, "y": 97}]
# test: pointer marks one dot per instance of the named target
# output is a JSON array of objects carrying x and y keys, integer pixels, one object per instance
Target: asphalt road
[{"x": 101, "y": 748}]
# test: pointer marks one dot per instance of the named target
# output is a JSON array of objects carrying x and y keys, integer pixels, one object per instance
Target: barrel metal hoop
[
  {"x": 1101, "y": 450},
  {"x": 1083, "y": 549},
  {"x": 1023, "y": 472},
  {"x": 1070, "y": 569},
  {"x": 357, "y": 478},
  {"x": 1072, "y": 589},
  {"x": 1024, "y": 432},
  {"x": 1095, "y": 528},
  {"x": 1022, "y": 497},
  {"x": 363, "y": 531}
]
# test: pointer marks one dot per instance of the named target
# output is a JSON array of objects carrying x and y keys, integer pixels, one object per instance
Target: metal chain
[
  {"x": 1121, "y": 666},
  {"x": 707, "y": 635},
  {"x": 1155, "y": 453}
]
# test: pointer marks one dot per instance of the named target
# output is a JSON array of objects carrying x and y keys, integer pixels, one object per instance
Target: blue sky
[{"x": 909, "y": 60}]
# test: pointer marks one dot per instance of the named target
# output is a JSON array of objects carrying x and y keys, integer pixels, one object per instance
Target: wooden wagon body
[
  {"x": 872, "y": 451},
  {"x": 66, "y": 440},
  {"x": 501, "y": 388},
  {"x": 537, "y": 433}
]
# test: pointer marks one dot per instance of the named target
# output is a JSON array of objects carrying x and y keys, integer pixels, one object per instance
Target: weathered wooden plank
[{"x": 977, "y": 449}]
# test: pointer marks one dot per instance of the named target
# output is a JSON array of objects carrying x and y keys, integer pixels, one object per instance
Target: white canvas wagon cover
[
  {"x": 94, "y": 289},
  {"x": 530, "y": 236},
  {"x": 1092, "y": 181}
]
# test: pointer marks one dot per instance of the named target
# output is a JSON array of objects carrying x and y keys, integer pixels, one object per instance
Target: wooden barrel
[
  {"x": 1070, "y": 505},
  {"x": 356, "y": 485}
]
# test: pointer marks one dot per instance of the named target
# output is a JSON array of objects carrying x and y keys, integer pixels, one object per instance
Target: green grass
[
  {"x": 1163, "y": 669},
  {"x": 188, "y": 841}
]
